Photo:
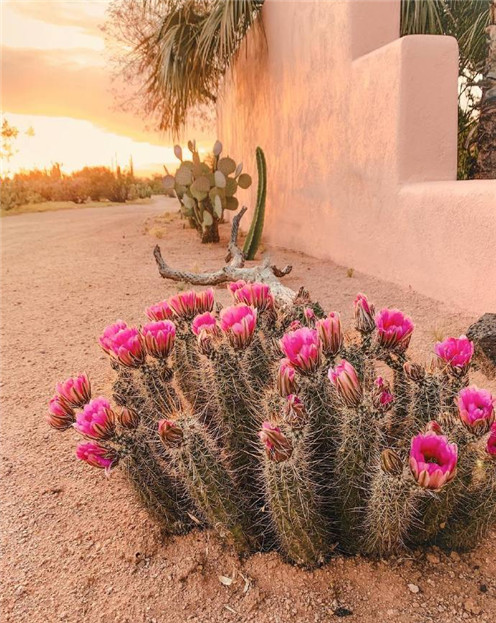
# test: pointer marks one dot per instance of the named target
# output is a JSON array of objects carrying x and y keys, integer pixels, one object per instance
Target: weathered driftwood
[{"x": 234, "y": 269}]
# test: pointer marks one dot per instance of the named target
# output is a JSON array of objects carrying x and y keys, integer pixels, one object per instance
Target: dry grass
[
  {"x": 156, "y": 226},
  {"x": 54, "y": 206}
]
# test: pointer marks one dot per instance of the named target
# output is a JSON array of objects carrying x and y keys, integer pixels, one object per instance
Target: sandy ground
[{"x": 75, "y": 546}]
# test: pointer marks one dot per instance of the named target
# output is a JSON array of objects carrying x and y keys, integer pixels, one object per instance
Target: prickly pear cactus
[
  {"x": 262, "y": 422},
  {"x": 205, "y": 189}
]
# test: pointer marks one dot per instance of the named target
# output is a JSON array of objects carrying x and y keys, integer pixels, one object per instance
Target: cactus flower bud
[
  {"x": 309, "y": 316},
  {"x": 394, "y": 329},
  {"x": 381, "y": 395},
  {"x": 96, "y": 420},
  {"x": 256, "y": 294},
  {"x": 476, "y": 409},
  {"x": 433, "y": 427},
  {"x": 159, "y": 311},
  {"x": 278, "y": 448},
  {"x": 330, "y": 333},
  {"x": 433, "y": 460},
  {"x": 391, "y": 462},
  {"x": 204, "y": 301},
  {"x": 295, "y": 324},
  {"x": 302, "y": 348},
  {"x": 286, "y": 383},
  {"x": 347, "y": 384},
  {"x": 123, "y": 344},
  {"x": 414, "y": 371},
  {"x": 205, "y": 322},
  {"x": 75, "y": 391},
  {"x": 295, "y": 414},
  {"x": 456, "y": 353},
  {"x": 184, "y": 304},
  {"x": 97, "y": 456},
  {"x": 158, "y": 338},
  {"x": 238, "y": 323},
  {"x": 128, "y": 418},
  {"x": 364, "y": 314},
  {"x": 61, "y": 415},
  {"x": 491, "y": 442},
  {"x": 170, "y": 433}
]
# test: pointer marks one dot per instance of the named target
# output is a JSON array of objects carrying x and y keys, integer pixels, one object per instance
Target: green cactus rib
[
  {"x": 294, "y": 507},
  {"x": 159, "y": 491},
  {"x": 392, "y": 510},
  {"x": 254, "y": 236},
  {"x": 210, "y": 485}
]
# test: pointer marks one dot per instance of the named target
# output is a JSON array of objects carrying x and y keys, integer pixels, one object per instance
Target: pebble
[
  {"x": 432, "y": 558},
  {"x": 413, "y": 588}
]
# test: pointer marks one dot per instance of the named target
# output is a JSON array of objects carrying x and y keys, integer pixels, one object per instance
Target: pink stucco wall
[{"x": 359, "y": 131}]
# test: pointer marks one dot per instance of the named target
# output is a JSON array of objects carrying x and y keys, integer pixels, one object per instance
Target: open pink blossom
[
  {"x": 97, "y": 456},
  {"x": 364, "y": 314},
  {"x": 382, "y": 398},
  {"x": 286, "y": 382},
  {"x": 183, "y": 304},
  {"x": 394, "y": 329},
  {"x": 277, "y": 446},
  {"x": 159, "y": 311},
  {"x": 61, "y": 415},
  {"x": 330, "y": 333},
  {"x": 96, "y": 420},
  {"x": 302, "y": 348},
  {"x": 75, "y": 391},
  {"x": 345, "y": 379},
  {"x": 491, "y": 442},
  {"x": 238, "y": 323},
  {"x": 158, "y": 338},
  {"x": 476, "y": 409},
  {"x": 433, "y": 460},
  {"x": 205, "y": 322},
  {"x": 124, "y": 344},
  {"x": 456, "y": 353},
  {"x": 256, "y": 294}
]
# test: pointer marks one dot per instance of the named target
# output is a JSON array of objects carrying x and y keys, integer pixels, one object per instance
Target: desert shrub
[{"x": 262, "y": 421}]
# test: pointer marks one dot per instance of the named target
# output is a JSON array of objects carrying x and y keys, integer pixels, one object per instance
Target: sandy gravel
[{"x": 75, "y": 546}]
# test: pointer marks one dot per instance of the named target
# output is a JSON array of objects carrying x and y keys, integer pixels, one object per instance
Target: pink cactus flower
[
  {"x": 75, "y": 391},
  {"x": 476, "y": 409},
  {"x": 124, "y": 344},
  {"x": 256, "y": 295},
  {"x": 277, "y": 446},
  {"x": 394, "y": 329},
  {"x": 159, "y": 311},
  {"x": 205, "y": 322},
  {"x": 61, "y": 415},
  {"x": 345, "y": 379},
  {"x": 184, "y": 304},
  {"x": 97, "y": 456},
  {"x": 433, "y": 460},
  {"x": 382, "y": 398},
  {"x": 96, "y": 420},
  {"x": 364, "y": 314},
  {"x": 491, "y": 442},
  {"x": 286, "y": 382},
  {"x": 158, "y": 338},
  {"x": 296, "y": 324},
  {"x": 170, "y": 433},
  {"x": 295, "y": 414},
  {"x": 330, "y": 334},
  {"x": 310, "y": 316},
  {"x": 456, "y": 353},
  {"x": 238, "y": 323},
  {"x": 204, "y": 301},
  {"x": 302, "y": 348}
]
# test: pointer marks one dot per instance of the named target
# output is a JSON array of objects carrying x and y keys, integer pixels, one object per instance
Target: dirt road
[{"x": 75, "y": 546}]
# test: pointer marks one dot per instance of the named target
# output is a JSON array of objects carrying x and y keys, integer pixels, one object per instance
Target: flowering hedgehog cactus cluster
[{"x": 262, "y": 422}]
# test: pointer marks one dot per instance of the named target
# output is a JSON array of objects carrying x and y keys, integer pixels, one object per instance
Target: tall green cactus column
[{"x": 254, "y": 237}]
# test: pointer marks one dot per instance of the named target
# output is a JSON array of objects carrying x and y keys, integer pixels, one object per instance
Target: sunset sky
[{"x": 56, "y": 79}]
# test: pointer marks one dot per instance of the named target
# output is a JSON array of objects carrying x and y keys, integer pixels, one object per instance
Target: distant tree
[{"x": 9, "y": 135}]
